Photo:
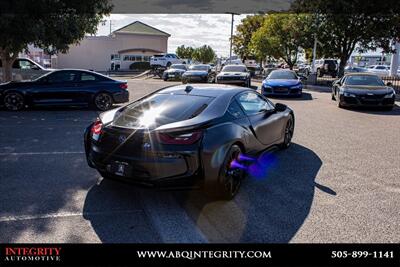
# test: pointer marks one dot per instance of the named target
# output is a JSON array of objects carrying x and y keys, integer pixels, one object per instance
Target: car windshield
[
  {"x": 199, "y": 67},
  {"x": 234, "y": 69},
  {"x": 161, "y": 109},
  {"x": 287, "y": 75},
  {"x": 178, "y": 66},
  {"x": 364, "y": 80}
]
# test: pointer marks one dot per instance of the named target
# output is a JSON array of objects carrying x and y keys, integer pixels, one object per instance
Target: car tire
[
  {"x": 288, "y": 134},
  {"x": 319, "y": 73},
  {"x": 165, "y": 79},
  {"x": 249, "y": 83},
  {"x": 338, "y": 103},
  {"x": 333, "y": 96},
  {"x": 229, "y": 179},
  {"x": 168, "y": 64},
  {"x": 14, "y": 101},
  {"x": 103, "y": 101}
]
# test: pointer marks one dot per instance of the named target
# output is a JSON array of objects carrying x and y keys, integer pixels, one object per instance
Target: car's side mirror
[
  {"x": 389, "y": 84},
  {"x": 279, "y": 107}
]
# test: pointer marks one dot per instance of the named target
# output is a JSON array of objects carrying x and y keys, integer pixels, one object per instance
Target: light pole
[{"x": 230, "y": 49}]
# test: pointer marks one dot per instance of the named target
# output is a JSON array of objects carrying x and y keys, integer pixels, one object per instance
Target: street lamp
[{"x": 230, "y": 49}]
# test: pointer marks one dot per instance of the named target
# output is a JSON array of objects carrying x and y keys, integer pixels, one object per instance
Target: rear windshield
[
  {"x": 364, "y": 80},
  {"x": 161, "y": 109}
]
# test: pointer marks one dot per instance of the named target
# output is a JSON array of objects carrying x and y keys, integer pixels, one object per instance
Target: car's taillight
[
  {"x": 96, "y": 129},
  {"x": 123, "y": 86},
  {"x": 180, "y": 139}
]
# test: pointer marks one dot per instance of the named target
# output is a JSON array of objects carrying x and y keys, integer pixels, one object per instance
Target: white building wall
[{"x": 94, "y": 52}]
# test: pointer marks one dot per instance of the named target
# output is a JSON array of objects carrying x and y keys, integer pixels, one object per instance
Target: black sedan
[
  {"x": 189, "y": 135},
  {"x": 362, "y": 89},
  {"x": 65, "y": 87},
  {"x": 201, "y": 73},
  {"x": 234, "y": 74},
  {"x": 175, "y": 72}
]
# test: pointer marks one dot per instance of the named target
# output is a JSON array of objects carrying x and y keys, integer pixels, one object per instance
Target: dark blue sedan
[
  {"x": 68, "y": 87},
  {"x": 282, "y": 83}
]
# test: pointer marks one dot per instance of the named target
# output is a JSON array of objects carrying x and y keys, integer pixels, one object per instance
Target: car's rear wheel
[
  {"x": 103, "y": 101},
  {"x": 289, "y": 130},
  {"x": 230, "y": 177},
  {"x": 14, "y": 101}
]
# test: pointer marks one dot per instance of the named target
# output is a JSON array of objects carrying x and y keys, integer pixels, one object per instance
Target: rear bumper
[
  {"x": 163, "y": 168},
  {"x": 121, "y": 97}
]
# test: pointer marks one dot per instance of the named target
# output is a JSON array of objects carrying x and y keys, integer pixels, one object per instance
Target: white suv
[
  {"x": 165, "y": 60},
  {"x": 25, "y": 69}
]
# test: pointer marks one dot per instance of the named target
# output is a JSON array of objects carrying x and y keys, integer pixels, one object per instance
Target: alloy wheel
[
  {"x": 103, "y": 101},
  {"x": 233, "y": 176},
  {"x": 14, "y": 101}
]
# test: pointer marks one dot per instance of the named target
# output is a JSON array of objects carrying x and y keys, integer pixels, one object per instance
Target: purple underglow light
[
  {"x": 237, "y": 165},
  {"x": 245, "y": 158},
  {"x": 256, "y": 168}
]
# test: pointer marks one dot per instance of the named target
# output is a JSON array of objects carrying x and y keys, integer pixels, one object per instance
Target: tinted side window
[
  {"x": 235, "y": 110},
  {"x": 86, "y": 77},
  {"x": 253, "y": 103},
  {"x": 61, "y": 76}
]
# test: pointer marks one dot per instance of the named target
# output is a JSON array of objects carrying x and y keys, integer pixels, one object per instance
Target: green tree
[
  {"x": 244, "y": 32},
  {"x": 204, "y": 54},
  {"x": 184, "y": 52},
  {"x": 343, "y": 27},
  {"x": 48, "y": 24},
  {"x": 283, "y": 36}
]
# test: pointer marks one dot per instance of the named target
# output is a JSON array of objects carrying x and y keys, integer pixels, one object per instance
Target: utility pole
[{"x": 230, "y": 49}]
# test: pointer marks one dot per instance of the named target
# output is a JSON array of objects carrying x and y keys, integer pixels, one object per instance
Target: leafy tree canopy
[
  {"x": 283, "y": 36},
  {"x": 52, "y": 25},
  {"x": 244, "y": 32},
  {"x": 184, "y": 52},
  {"x": 345, "y": 26},
  {"x": 204, "y": 54}
]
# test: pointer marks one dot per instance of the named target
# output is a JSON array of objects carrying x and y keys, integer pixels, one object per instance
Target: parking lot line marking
[
  {"x": 41, "y": 153},
  {"x": 63, "y": 214}
]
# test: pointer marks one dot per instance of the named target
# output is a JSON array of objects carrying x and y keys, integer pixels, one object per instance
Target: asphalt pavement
[{"x": 338, "y": 182}]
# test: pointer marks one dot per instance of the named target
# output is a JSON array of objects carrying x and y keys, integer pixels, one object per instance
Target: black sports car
[
  {"x": 174, "y": 72},
  {"x": 65, "y": 87},
  {"x": 188, "y": 135},
  {"x": 362, "y": 89},
  {"x": 234, "y": 74},
  {"x": 199, "y": 73}
]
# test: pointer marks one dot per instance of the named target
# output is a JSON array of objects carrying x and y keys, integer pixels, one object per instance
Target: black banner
[{"x": 200, "y": 254}]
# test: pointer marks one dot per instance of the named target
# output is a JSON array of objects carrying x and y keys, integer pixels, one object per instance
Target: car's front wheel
[
  {"x": 289, "y": 130},
  {"x": 230, "y": 176},
  {"x": 103, "y": 101},
  {"x": 14, "y": 101}
]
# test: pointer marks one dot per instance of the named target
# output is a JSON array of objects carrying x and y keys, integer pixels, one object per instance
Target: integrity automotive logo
[{"x": 32, "y": 254}]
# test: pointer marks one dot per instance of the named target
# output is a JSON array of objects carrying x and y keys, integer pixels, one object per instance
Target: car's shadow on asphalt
[
  {"x": 271, "y": 208},
  {"x": 376, "y": 111}
]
